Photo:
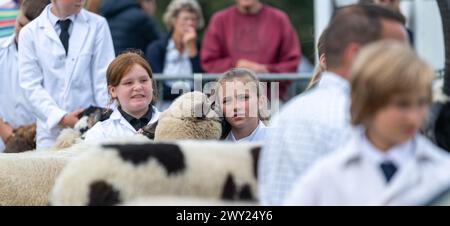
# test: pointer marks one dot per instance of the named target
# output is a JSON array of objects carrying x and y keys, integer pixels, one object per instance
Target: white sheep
[
  {"x": 27, "y": 178},
  {"x": 115, "y": 174},
  {"x": 190, "y": 116}
]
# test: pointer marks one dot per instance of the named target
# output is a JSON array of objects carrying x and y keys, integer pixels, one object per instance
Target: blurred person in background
[
  {"x": 15, "y": 110},
  {"x": 393, "y": 5},
  {"x": 9, "y": 10},
  {"x": 93, "y": 5},
  {"x": 385, "y": 161},
  {"x": 315, "y": 123},
  {"x": 178, "y": 53},
  {"x": 149, "y": 6},
  {"x": 131, "y": 27},
  {"x": 251, "y": 35}
]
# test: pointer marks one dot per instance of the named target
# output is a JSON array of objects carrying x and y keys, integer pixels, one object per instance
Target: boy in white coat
[
  {"x": 386, "y": 162},
  {"x": 15, "y": 110},
  {"x": 63, "y": 59}
]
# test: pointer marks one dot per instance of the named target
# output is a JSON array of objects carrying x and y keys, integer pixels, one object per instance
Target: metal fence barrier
[{"x": 300, "y": 80}]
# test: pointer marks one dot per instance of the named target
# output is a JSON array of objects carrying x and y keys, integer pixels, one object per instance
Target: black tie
[
  {"x": 64, "y": 36},
  {"x": 389, "y": 170}
]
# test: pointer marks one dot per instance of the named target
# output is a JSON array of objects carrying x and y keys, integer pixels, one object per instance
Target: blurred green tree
[{"x": 301, "y": 14}]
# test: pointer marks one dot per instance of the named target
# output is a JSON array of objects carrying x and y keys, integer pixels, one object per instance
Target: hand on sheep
[
  {"x": 6, "y": 131},
  {"x": 70, "y": 119}
]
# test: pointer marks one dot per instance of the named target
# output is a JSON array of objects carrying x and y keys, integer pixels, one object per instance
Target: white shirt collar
[
  {"x": 333, "y": 80},
  {"x": 117, "y": 116},
  {"x": 399, "y": 154},
  {"x": 54, "y": 19},
  {"x": 250, "y": 137},
  {"x": 418, "y": 148}
]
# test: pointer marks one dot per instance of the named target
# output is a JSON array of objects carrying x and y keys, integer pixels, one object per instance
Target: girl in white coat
[
  {"x": 63, "y": 57},
  {"x": 386, "y": 162},
  {"x": 130, "y": 83},
  {"x": 239, "y": 97}
]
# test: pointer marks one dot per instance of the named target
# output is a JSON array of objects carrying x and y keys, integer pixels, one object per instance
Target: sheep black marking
[
  {"x": 103, "y": 194},
  {"x": 246, "y": 193},
  {"x": 255, "y": 157},
  {"x": 231, "y": 191},
  {"x": 168, "y": 155}
]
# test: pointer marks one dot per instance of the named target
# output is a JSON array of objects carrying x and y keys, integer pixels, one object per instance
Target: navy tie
[
  {"x": 389, "y": 170},
  {"x": 64, "y": 36}
]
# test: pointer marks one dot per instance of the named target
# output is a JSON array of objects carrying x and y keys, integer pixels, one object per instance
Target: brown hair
[
  {"x": 356, "y": 23},
  {"x": 93, "y": 5},
  {"x": 382, "y": 70},
  {"x": 122, "y": 64},
  {"x": 33, "y": 8},
  {"x": 396, "y": 8}
]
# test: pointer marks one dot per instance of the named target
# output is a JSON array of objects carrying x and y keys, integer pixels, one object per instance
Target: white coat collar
[
  {"x": 80, "y": 27},
  {"x": 425, "y": 151}
]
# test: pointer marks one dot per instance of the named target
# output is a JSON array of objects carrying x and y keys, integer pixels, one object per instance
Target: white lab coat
[
  {"x": 115, "y": 127},
  {"x": 56, "y": 84},
  {"x": 14, "y": 109},
  {"x": 347, "y": 177}
]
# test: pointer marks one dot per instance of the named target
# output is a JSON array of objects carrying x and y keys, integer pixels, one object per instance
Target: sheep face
[{"x": 191, "y": 116}]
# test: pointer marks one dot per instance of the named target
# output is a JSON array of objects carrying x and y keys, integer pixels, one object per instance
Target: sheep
[
  {"x": 16, "y": 187},
  {"x": 114, "y": 174},
  {"x": 27, "y": 178},
  {"x": 190, "y": 116},
  {"x": 89, "y": 118}
]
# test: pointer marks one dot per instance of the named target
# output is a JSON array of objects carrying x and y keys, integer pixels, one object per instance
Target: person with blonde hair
[
  {"x": 321, "y": 67},
  {"x": 386, "y": 161},
  {"x": 240, "y": 98},
  {"x": 179, "y": 52}
]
